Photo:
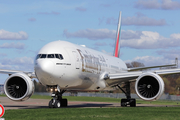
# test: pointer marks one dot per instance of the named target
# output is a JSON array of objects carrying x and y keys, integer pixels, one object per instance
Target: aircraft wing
[
  {"x": 132, "y": 76},
  {"x": 122, "y": 77},
  {"x": 145, "y": 68},
  {"x": 175, "y": 65},
  {"x": 10, "y": 72}
]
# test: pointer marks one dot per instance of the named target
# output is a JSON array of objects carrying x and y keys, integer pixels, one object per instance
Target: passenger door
[{"x": 77, "y": 59}]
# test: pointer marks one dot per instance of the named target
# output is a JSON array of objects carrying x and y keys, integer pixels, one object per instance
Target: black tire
[
  {"x": 133, "y": 103},
  {"x": 51, "y": 103},
  {"x": 63, "y": 102},
  {"x": 123, "y": 102},
  {"x": 57, "y": 104}
]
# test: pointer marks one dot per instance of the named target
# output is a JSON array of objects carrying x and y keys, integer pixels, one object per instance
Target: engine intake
[
  {"x": 149, "y": 86},
  {"x": 18, "y": 87}
]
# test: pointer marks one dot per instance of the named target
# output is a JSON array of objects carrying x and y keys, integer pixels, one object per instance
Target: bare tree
[{"x": 134, "y": 64}]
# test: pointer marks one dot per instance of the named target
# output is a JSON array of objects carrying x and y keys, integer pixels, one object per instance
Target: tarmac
[{"x": 43, "y": 103}]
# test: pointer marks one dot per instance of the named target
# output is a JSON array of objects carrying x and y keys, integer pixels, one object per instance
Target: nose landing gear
[{"x": 57, "y": 101}]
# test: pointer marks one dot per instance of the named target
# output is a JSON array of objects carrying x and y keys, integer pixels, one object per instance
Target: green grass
[
  {"x": 128, "y": 113},
  {"x": 2, "y": 95}
]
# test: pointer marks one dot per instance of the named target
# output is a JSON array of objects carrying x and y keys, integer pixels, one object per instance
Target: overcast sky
[{"x": 150, "y": 31}]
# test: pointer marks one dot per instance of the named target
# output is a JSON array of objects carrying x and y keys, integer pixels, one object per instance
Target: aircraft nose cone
[
  {"x": 44, "y": 71},
  {"x": 46, "y": 67}
]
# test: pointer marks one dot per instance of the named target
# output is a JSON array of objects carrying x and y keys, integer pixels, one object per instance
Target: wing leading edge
[
  {"x": 10, "y": 72},
  {"x": 159, "y": 66}
]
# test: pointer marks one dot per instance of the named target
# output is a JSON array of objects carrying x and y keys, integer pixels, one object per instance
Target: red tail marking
[{"x": 117, "y": 46}]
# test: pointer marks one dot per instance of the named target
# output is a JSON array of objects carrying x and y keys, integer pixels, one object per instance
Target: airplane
[{"x": 63, "y": 66}]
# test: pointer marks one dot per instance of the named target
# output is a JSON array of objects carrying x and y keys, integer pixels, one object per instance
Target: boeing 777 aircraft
[{"x": 62, "y": 66}]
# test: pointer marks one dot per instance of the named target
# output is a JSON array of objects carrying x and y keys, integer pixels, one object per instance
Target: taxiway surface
[{"x": 43, "y": 103}]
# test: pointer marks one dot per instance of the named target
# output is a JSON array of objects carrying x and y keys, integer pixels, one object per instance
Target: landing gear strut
[
  {"x": 128, "y": 101},
  {"x": 57, "y": 101}
]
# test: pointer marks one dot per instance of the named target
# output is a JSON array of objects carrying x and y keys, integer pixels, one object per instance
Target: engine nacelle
[
  {"x": 18, "y": 87},
  {"x": 149, "y": 86}
]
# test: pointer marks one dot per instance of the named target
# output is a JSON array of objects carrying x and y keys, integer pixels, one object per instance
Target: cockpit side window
[
  {"x": 59, "y": 56},
  {"x": 38, "y": 56},
  {"x": 50, "y": 56}
]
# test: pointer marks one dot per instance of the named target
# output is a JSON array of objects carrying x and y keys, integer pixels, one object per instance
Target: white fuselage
[{"x": 75, "y": 67}]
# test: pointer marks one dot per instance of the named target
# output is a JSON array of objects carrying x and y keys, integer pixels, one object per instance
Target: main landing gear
[
  {"x": 129, "y": 101},
  {"x": 57, "y": 101}
]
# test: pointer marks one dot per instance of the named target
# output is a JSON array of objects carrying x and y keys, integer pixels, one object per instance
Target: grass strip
[{"x": 125, "y": 113}]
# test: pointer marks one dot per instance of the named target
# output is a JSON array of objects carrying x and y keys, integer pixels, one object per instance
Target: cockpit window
[
  {"x": 59, "y": 56},
  {"x": 43, "y": 56},
  {"x": 40, "y": 56},
  {"x": 50, "y": 56}
]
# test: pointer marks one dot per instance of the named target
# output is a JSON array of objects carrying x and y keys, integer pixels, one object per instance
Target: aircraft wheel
[
  {"x": 123, "y": 102},
  {"x": 57, "y": 104},
  {"x": 51, "y": 103},
  {"x": 133, "y": 103}
]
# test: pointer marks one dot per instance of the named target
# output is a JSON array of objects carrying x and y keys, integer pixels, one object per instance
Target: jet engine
[
  {"x": 149, "y": 86},
  {"x": 18, "y": 87}
]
